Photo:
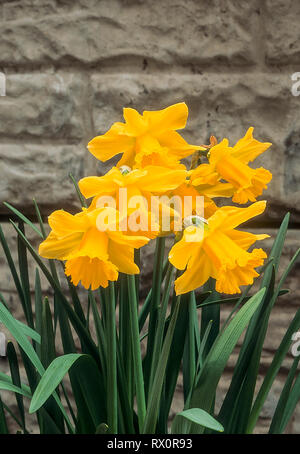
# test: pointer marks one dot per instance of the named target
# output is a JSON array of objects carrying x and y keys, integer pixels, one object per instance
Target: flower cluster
[{"x": 150, "y": 184}]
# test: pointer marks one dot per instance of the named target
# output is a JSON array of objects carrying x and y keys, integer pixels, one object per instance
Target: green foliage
[{"x": 85, "y": 373}]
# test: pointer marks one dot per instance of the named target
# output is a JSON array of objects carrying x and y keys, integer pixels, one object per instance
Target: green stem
[
  {"x": 161, "y": 323},
  {"x": 136, "y": 350},
  {"x": 160, "y": 375},
  {"x": 155, "y": 300},
  {"x": 112, "y": 389}
]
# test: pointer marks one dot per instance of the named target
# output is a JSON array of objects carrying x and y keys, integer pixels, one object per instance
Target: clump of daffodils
[{"x": 151, "y": 193}]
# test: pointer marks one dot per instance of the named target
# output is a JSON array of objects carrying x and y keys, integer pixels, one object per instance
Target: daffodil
[
  {"x": 93, "y": 247},
  {"x": 141, "y": 185},
  {"x": 231, "y": 164},
  {"x": 147, "y": 139},
  {"x": 214, "y": 248},
  {"x": 198, "y": 200}
]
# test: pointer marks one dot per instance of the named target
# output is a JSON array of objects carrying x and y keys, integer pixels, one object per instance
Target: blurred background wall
[{"x": 71, "y": 66}]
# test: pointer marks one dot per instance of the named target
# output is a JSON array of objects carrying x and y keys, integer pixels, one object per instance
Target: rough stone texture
[
  {"x": 71, "y": 66},
  {"x": 47, "y": 106},
  {"x": 282, "y": 32},
  {"x": 89, "y": 32},
  {"x": 40, "y": 171}
]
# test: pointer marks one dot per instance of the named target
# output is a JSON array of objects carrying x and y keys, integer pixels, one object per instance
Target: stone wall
[{"x": 72, "y": 65}]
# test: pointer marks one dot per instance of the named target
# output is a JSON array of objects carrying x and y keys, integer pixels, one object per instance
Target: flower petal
[
  {"x": 110, "y": 144},
  {"x": 248, "y": 148},
  {"x": 245, "y": 239},
  {"x": 172, "y": 118},
  {"x": 63, "y": 223},
  {"x": 123, "y": 257},
  {"x": 160, "y": 179},
  {"x": 197, "y": 273},
  {"x": 94, "y": 244},
  {"x": 227, "y": 218},
  {"x": 60, "y": 249},
  {"x": 93, "y": 273}
]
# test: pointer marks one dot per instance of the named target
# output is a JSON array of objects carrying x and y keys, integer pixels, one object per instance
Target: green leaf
[
  {"x": 237, "y": 405},
  {"x": 74, "y": 319},
  {"x": 210, "y": 313},
  {"x": 11, "y": 324},
  {"x": 292, "y": 401},
  {"x": 3, "y": 423},
  {"x": 79, "y": 195},
  {"x": 155, "y": 301},
  {"x": 23, "y": 218},
  {"x": 90, "y": 395},
  {"x": 16, "y": 380},
  {"x": 189, "y": 355},
  {"x": 23, "y": 267},
  {"x": 136, "y": 351},
  {"x": 10, "y": 387},
  {"x": 47, "y": 336},
  {"x": 156, "y": 389},
  {"x": 175, "y": 354},
  {"x": 14, "y": 327},
  {"x": 39, "y": 216},
  {"x": 279, "y": 355},
  {"x": 277, "y": 425},
  {"x": 219, "y": 354},
  {"x": 13, "y": 270},
  {"x": 29, "y": 332},
  {"x": 112, "y": 388},
  {"x": 272, "y": 371},
  {"x": 196, "y": 416},
  {"x": 51, "y": 379}
]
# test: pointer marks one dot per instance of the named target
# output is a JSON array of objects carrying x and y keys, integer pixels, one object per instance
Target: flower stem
[
  {"x": 112, "y": 389},
  {"x": 136, "y": 350}
]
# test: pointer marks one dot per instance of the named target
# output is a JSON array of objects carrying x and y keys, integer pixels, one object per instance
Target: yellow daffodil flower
[
  {"x": 92, "y": 256},
  {"x": 231, "y": 164},
  {"x": 140, "y": 185},
  {"x": 147, "y": 139},
  {"x": 216, "y": 249}
]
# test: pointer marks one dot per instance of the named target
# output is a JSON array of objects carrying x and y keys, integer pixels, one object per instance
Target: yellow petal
[
  {"x": 176, "y": 144},
  {"x": 135, "y": 123},
  {"x": 227, "y": 218},
  {"x": 134, "y": 241},
  {"x": 172, "y": 118},
  {"x": 159, "y": 179},
  {"x": 230, "y": 280},
  {"x": 259, "y": 180},
  {"x": 234, "y": 171},
  {"x": 92, "y": 273},
  {"x": 197, "y": 273},
  {"x": 108, "y": 145},
  {"x": 245, "y": 239},
  {"x": 188, "y": 246},
  {"x": 123, "y": 257},
  {"x": 106, "y": 184},
  {"x": 60, "y": 249},
  {"x": 94, "y": 244},
  {"x": 248, "y": 148},
  {"x": 63, "y": 223}
]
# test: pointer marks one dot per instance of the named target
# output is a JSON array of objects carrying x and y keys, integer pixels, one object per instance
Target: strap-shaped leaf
[
  {"x": 7, "y": 386},
  {"x": 51, "y": 379},
  {"x": 218, "y": 356},
  {"x": 197, "y": 416}
]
